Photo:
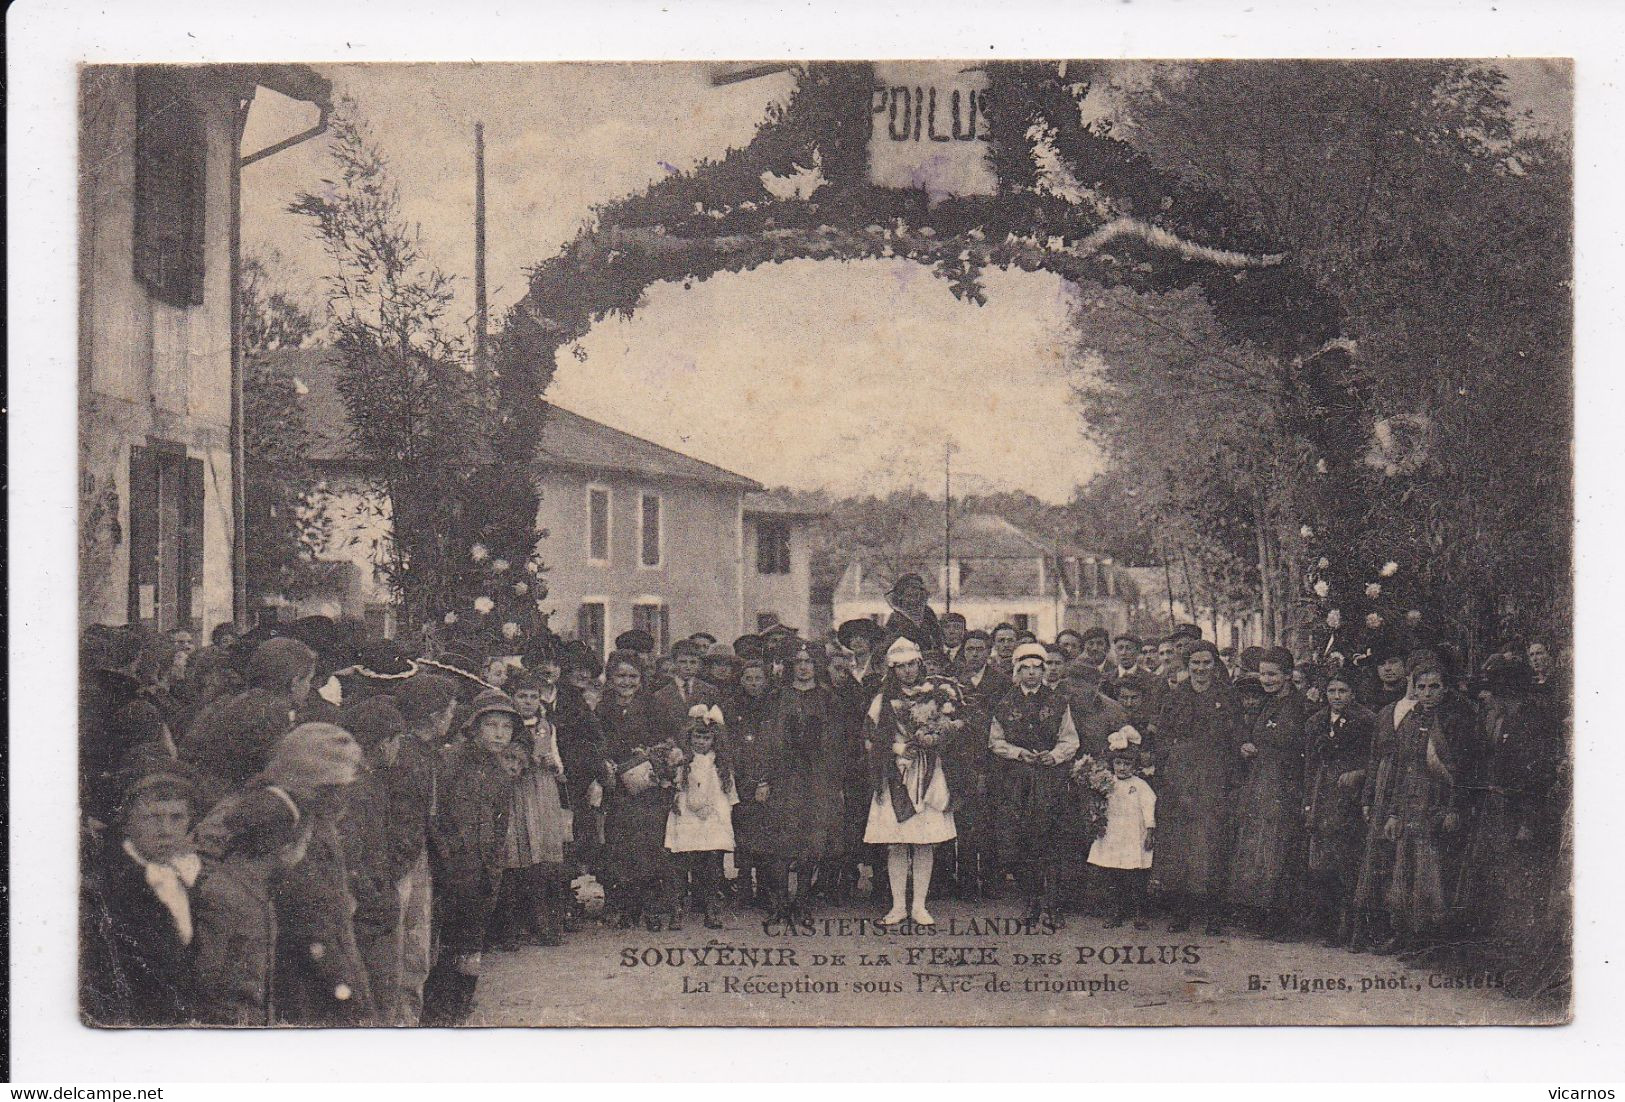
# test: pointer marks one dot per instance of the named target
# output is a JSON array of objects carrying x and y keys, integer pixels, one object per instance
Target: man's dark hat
[
  {"x": 635, "y": 640},
  {"x": 897, "y": 586},
  {"x": 578, "y": 655},
  {"x": 853, "y": 629}
]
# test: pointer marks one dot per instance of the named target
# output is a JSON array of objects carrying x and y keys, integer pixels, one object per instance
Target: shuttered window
[
  {"x": 772, "y": 547},
  {"x": 170, "y": 178}
]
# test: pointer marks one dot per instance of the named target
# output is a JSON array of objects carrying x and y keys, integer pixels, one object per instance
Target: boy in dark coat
[
  {"x": 749, "y": 717},
  {"x": 137, "y": 941},
  {"x": 376, "y": 859},
  {"x": 1339, "y": 748},
  {"x": 427, "y": 701},
  {"x": 236, "y": 915},
  {"x": 468, "y": 834},
  {"x": 672, "y": 700}
]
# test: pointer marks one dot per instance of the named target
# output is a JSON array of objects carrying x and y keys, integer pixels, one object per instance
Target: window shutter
[
  {"x": 191, "y": 557},
  {"x": 651, "y": 530},
  {"x": 143, "y": 529},
  {"x": 598, "y": 524},
  {"x": 170, "y": 178}
]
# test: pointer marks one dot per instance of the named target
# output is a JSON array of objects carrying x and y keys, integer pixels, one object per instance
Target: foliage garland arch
[{"x": 1069, "y": 199}]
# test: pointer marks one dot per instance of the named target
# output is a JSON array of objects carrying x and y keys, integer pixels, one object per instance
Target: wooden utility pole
[
  {"x": 479, "y": 246},
  {"x": 1168, "y": 579},
  {"x": 947, "y": 528}
]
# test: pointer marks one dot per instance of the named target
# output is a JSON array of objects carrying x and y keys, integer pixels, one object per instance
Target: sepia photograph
[{"x": 982, "y": 541}]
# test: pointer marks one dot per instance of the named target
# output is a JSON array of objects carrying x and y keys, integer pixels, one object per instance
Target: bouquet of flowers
[
  {"x": 1092, "y": 782},
  {"x": 927, "y": 715},
  {"x": 654, "y": 766}
]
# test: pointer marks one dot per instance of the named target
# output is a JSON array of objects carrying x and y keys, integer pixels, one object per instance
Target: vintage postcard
[{"x": 947, "y": 542}]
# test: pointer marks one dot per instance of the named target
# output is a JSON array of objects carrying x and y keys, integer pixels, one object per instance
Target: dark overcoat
[
  {"x": 634, "y": 823},
  {"x": 1269, "y": 807},
  {"x": 1337, "y": 747},
  {"x": 1197, "y": 767},
  {"x": 134, "y": 967},
  {"x": 807, "y": 738}
]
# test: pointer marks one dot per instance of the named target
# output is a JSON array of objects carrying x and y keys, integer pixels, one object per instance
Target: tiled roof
[{"x": 569, "y": 440}]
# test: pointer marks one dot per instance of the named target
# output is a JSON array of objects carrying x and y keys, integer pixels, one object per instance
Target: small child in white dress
[
  {"x": 1123, "y": 851},
  {"x": 699, "y": 827}
]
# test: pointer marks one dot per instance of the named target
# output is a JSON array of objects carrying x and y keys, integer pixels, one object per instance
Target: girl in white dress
[
  {"x": 699, "y": 828},
  {"x": 909, "y": 809},
  {"x": 1123, "y": 850}
]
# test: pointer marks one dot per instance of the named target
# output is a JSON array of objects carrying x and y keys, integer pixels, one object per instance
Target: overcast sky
[{"x": 848, "y": 377}]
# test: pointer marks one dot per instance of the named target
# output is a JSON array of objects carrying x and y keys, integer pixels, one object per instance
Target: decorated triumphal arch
[{"x": 956, "y": 167}]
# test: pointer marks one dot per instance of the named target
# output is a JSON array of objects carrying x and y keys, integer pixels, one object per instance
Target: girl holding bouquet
[
  {"x": 1123, "y": 852},
  {"x": 910, "y": 810},
  {"x": 699, "y": 828}
]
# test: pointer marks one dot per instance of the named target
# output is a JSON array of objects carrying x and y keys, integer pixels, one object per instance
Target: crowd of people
[{"x": 301, "y": 826}]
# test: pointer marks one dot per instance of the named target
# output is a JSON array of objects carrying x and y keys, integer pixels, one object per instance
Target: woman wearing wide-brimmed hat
[{"x": 911, "y": 617}]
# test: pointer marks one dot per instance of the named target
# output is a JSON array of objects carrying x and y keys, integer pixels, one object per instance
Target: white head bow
[
  {"x": 1123, "y": 738},
  {"x": 710, "y": 715}
]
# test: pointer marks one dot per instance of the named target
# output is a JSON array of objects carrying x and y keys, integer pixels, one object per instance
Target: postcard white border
[{"x": 45, "y": 41}]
